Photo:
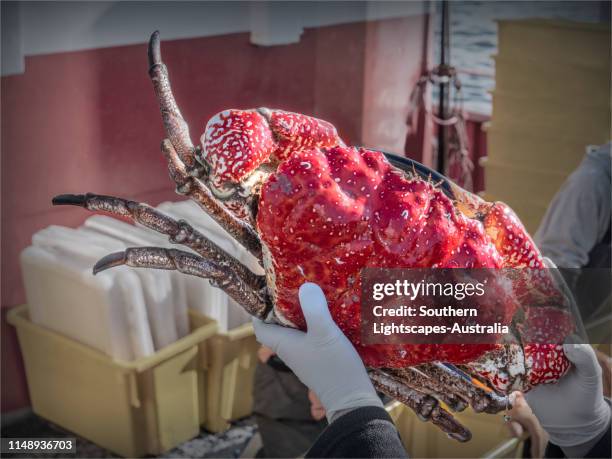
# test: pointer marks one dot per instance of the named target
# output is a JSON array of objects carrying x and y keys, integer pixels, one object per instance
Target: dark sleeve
[
  {"x": 363, "y": 432},
  {"x": 601, "y": 449}
]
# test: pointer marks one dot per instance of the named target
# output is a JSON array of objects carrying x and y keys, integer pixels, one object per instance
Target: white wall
[{"x": 31, "y": 28}]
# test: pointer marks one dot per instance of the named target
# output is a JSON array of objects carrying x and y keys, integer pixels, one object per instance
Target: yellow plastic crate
[
  {"x": 136, "y": 408},
  {"x": 230, "y": 359},
  {"x": 522, "y": 184},
  {"x": 561, "y": 154},
  {"x": 490, "y": 438},
  {"x": 563, "y": 81},
  {"x": 533, "y": 115},
  {"x": 554, "y": 41}
]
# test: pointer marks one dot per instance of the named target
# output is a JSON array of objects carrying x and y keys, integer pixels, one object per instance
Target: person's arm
[
  {"x": 325, "y": 361},
  {"x": 361, "y": 432},
  {"x": 573, "y": 411},
  {"x": 579, "y": 214}
]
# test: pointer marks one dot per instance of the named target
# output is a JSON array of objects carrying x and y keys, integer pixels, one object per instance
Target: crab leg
[
  {"x": 220, "y": 275},
  {"x": 190, "y": 186},
  {"x": 180, "y": 154},
  {"x": 174, "y": 124},
  {"x": 481, "y": 397},
  {"x": 253, "y": 301},
  {"x": 439, "y": 378},
  {"x": 417, "y": 380},
  {"x": 178, "y": 232},
  {"x": 425, "y": 406}
]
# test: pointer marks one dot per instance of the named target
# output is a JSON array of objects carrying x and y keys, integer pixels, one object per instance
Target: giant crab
[{"x": 310, "y": 208}]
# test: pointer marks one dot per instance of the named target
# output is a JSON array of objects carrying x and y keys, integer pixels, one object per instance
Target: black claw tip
[
  {"x": 154, "y": 49},
  {"x": 462, "y": 436},
  {"x": 69, "y": 200},
  {"x": 109, "y": 261}
]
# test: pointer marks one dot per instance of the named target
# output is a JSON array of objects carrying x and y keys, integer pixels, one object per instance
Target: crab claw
[
  {"x": 69, "y": 200},
  {"x": 154, "y": 51},
  {"x": 219, "y": 274},
  {"x": 110, "y": 261},
  {"x": 175, "y": 125},
  {"x": 425, "y": 406},
  {"x": 99, "y": 202}
]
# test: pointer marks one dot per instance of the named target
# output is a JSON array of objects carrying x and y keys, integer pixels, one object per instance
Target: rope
[{"x": 459, "y": 166}]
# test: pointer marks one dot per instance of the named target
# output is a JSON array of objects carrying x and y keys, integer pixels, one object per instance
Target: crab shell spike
[
  {"x": 503, "y": 227},
  {"x": 448, "y": 187}
]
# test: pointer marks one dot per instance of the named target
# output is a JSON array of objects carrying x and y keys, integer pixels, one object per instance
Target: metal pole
[{"x": 444, "y": 87}]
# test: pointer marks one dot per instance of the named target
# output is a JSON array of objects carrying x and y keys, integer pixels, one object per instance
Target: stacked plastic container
[
  {"x": 132, "y": 359},
  {"x": 551, "y": 100},
  {"x": 230, "y": 355}
]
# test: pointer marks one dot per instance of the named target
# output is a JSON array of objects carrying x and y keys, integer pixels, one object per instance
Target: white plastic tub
[{"x": 106, "y": 312}]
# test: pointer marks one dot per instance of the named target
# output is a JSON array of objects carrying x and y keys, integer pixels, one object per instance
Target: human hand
[
  {"x": 317, "y": 410},
  {"x": 523, "y": 419},
  {"x": 323, "y": 358},
  {"x": 605, "y": 362},
  {"x": 573, "y": 411},
  {"x": 264, "y": 353}
]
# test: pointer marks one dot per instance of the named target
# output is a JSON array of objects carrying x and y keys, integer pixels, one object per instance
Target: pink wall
[
  {"x": 88, "y": 121},
  {"x": 393, "y": 64}
]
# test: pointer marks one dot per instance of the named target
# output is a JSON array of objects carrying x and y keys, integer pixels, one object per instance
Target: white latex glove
[
  {"x": 573, "y": 411},
  {"x": 323, "y": 358}
]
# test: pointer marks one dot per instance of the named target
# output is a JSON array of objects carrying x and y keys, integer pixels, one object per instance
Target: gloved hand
[
  {"x": 573, "y": 411},
  {"x": 323, "y": 358}
]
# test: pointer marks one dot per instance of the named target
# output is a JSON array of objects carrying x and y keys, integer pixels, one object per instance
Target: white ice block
[
  {"x": 156, "y": 287},
  {"x": 165, "y": 291},
  {"x": 106, "y": 312},
  {"x": 86, "y": 249}
]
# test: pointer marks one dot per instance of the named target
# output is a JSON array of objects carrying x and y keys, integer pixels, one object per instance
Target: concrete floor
[{"x": 230, "y": 444}]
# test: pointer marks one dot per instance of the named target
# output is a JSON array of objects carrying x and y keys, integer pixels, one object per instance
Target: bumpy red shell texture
[
  {"x": 531, "y": 365},
  {"x": 236, "y": 142},
  {"x": 327, "y": 213},
  {"x": 330, "y": 211}
]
